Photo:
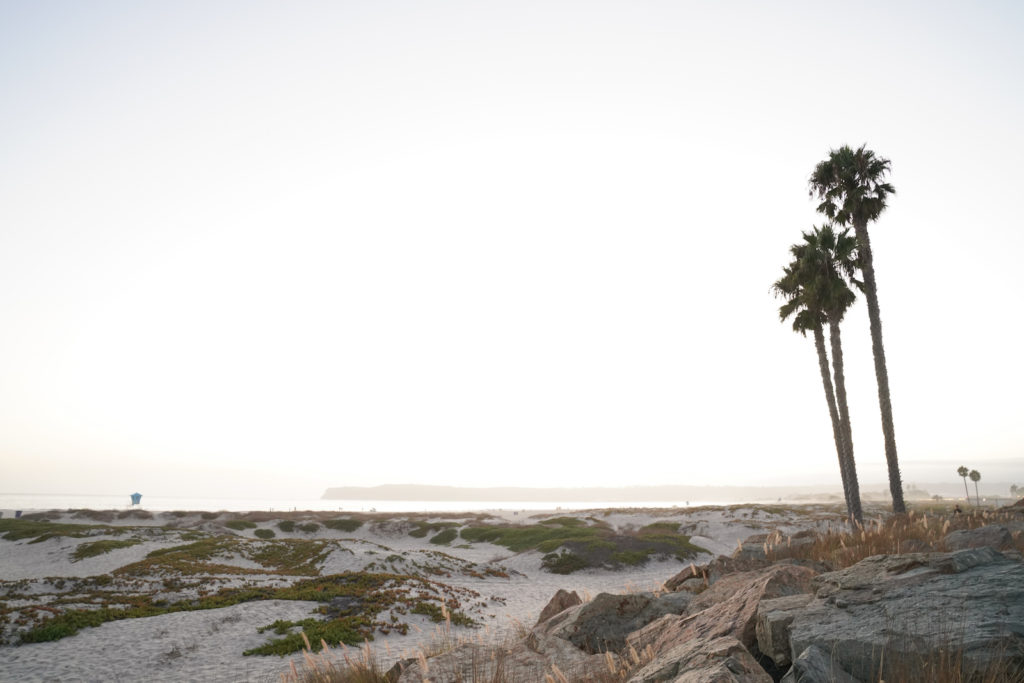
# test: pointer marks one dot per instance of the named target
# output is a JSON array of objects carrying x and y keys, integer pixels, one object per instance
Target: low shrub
[
  {"x": 346, "y": 524},
  {"x": 240, "y": 524},
  {"x": 264, "y": 533},
  {"x": 445, "y": 537},
  {"x": 565, "y": 562},
  {"x": 100, "y": 547},
  {"x": 286, "y": 525}
]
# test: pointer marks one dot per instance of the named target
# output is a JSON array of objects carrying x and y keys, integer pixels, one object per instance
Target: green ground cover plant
[
  {"x": 94, "y": 548},
  {"x": 240, "y": 524},
  {"x": 421, "y": 529},
  {"x": 445, "y": 537},
  {"x": 265, "y": 534},
  {"x": 346, "y": 524},
  {"x": 581, "y": 545},
  {"x": 39, "y": 531}
]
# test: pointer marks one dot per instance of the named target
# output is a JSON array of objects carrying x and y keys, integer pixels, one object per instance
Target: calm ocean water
[{"x": 10, "y": 502}]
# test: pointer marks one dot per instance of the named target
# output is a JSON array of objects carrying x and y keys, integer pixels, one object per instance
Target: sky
[{"x": 262, "y": 248}]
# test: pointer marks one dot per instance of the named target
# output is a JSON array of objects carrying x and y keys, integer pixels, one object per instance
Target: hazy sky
[{"x": 270, "y": 247}]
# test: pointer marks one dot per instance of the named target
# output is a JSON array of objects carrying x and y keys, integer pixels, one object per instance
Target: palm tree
[
  {"x": 851, "y": 189},
  {"x": 1014, "y": 489},
  {"x": 963, "y": 472},
  {"x": 815, "y": 291},
  {"x": 975, "y": 476},
  {"x": 827, "y": 261}
]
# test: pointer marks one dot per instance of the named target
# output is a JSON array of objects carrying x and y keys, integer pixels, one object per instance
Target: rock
[
  {"x": 753, "y": 547},
  {"x": 814, "y": 665},
  {"x": 913, "y": 607},
  {"x": 712, "y": 572},
  {"x": 915, "y": 545},
  {"x": 773, "y": 619},
  {"x": 561, "y": 601},
  {"x": 718, "y": 660},
  {"x": 991, "y": 536},
  {"x": 603, "y": 623},
  {"x": 530, "y": 659},
  {"x": 728, "y": 608}
]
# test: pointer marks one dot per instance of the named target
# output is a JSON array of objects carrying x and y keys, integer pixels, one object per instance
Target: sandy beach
[{"x": 219, "y": 578}]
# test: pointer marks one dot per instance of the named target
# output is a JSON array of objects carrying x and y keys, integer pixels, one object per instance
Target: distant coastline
[
  {"x": 681, "y": 494},
  {"x": 627, "y": 494}
]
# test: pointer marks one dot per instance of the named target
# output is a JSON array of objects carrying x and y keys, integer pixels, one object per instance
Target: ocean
[{"x": 11, "y": 502}]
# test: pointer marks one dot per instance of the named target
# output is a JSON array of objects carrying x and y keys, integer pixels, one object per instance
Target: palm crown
[{"x": 850, "y": 184}]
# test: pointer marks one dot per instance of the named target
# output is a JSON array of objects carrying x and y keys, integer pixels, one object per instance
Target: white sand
[{"x": 207, "y": 645}]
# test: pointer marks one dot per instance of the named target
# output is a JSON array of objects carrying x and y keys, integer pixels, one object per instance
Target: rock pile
[{"x": 913, "y": 616}]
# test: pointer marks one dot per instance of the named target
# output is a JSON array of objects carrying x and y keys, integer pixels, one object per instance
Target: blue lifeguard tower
[{"x": 136, "y": 498}]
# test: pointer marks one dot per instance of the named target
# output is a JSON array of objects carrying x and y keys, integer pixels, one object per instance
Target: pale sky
[{"x": 262, "y": 248}]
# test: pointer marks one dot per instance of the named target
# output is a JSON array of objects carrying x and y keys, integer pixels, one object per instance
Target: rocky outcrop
[
  {"x": 717, "y": 660},
  {"x": 991, "y": 536},
  {"x": 528, "y": 660},
  {"x": 726, "y": 610},
  {"x": 911, "y": 606},
  {"x": 773, "y": 620},
  {"x": 813, "y": 666},
  {"x": 602, "y": 624},
  {"x": 919, "y": 616},
  {"x": 561, "y": 601}
]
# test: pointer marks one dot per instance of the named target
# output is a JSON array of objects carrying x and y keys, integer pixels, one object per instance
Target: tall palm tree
[
  {"x": 975, "y": 476},
  {"x": 851, "y": 187},
  {"x": 827, "y": 261},
  {"x": 815, "y": 291},
  {"x": 1013, "y": 490},
  {"x": 963, "y": 472}
]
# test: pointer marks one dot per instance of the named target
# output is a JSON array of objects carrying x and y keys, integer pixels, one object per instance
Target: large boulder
[
  {"x": 991, "y": 536},
  {"x": 814, "y": 666},
  {"x": 717, "y": 660},
  {"x": 890, "y": 616},
  {"x": 773, "y": 620},
  {"x": 602, "y": 624},
  {"x": 728, "y": 608},
  {"x": 561, "y": 601}
]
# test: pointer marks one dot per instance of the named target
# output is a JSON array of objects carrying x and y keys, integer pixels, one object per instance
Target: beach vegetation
[
  {"x": 239, "y": 524},
  {"x": 346, "y": 524},
  {"x": 264, "y": 533},
  {"x": 585, "y": 545},
  {"x": 308, "y": 527},
  {"x": 94, "y": 548},
  {"x": 39, "y": 531},
  {"x": 445, "y": 537},
  {"x": 286, "y": 525},
  {"x": 421, "y": 528}
]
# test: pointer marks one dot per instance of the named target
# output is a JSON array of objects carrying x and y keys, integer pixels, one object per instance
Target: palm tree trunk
[
  {"x": 977, "y": 497},
  {"x": 881, "y": 373},
  {"x": 837, "y": 431},
  {"x": 967, "y": 494},
  {"x": 844, "y": 422}
]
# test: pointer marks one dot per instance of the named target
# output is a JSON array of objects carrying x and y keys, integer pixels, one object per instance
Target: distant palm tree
[
  {"x": 1014, "y": 489},
  {"x": 851, "y": 189},
  {"x": 963, "y": 472},
  {"x": 816, "y": 293},
  {"x": 975, "y": 477}
]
